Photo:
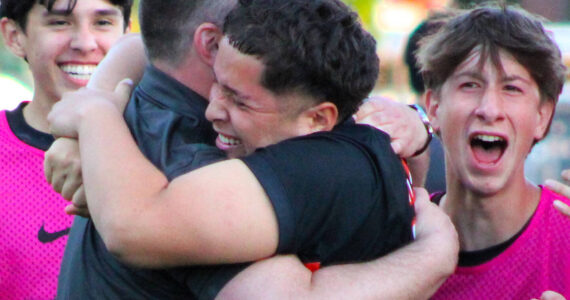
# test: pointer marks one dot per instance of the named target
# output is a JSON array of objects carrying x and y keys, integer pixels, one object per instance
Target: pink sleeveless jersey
[
  {"x": 33, "y": 225},
  {"x": 539, "y": 260}
]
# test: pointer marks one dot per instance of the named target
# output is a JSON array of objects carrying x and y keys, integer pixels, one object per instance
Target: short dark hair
[
  {"x": 167, "y": 27},
  {"x": 316, "y": 48},
  {"x": 428, "y": 27},
  {"x": 18, "y": 10},
  {"x": 494, "y": 28}
]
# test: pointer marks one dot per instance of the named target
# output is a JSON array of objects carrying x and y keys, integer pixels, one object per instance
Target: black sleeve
[
  {"x": 205, "y": 282},
  {"x": 337, "y": 199}
]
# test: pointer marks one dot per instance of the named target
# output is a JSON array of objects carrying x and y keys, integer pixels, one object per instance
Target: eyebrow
[
  {"x": 515, "y": 78},
  {"x": 472, "y": 74},
  {"x": 478, "y": 76},
  {"x": 66, "y": 12},
  {"x": 234, "y": 92}
]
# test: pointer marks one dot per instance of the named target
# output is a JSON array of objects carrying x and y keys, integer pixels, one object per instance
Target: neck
[
  {"x": 483, "y": 221},
  {"x": 35, "y": 113},
  {"x": 192, "y": 72}
]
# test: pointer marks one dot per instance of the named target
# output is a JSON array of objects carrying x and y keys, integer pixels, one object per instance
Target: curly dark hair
[
  {"x": 316, "y": 48},
  {"x": 18, "y": 10}
]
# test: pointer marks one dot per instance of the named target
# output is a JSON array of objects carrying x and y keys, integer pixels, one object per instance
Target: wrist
[
  {"x": 427, "y": 125},
  {"x": 96, "y": 114}
]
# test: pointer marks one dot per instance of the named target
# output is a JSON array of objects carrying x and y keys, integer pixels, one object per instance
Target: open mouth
[
  {"x": 79, "y": 72},
  {"x": 488, "y": 149}
]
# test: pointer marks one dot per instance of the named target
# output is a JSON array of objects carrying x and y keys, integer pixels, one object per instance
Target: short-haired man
[
  {"x": 494, "y": 76},
  {"x": 295, "y": 117},
  {"x": 62, "y": 41}
]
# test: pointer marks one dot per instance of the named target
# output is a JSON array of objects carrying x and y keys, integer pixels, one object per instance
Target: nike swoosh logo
[{"x": 48, "y": 237}]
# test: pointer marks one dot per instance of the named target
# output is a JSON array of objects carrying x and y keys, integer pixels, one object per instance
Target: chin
[
  {"x": 235, "y": 153},
  {"x": 487, "y": 187}
]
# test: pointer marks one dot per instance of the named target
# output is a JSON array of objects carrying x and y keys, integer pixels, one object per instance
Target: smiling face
[
  {"x": 488, "y": 120},
  {"x": 246, "y": 115},
  {"x": 63, "y": 49}
]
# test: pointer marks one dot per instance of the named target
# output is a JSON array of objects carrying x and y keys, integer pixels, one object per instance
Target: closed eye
[
  {"x": 104, "y": 22},
  {"x": 512, "y": 88},
  {"x": 469, "y": 85},
  {"x": 58, "y": 22}
]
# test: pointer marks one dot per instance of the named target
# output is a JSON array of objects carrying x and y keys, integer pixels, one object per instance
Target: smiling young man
[
  {"x": 494, "y": 76},
  {"x": 252, "y": 207},
  {"x": 62, "y": 42}
]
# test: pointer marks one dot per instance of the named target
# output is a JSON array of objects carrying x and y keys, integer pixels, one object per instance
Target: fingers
[
  {"x": 74, "y": 211},
  {"x": 70, "y": 187},
  {"x": 550, "y": 295},
  {"x": 123, "y": 92},
  {"x": 372, "y": 106},
  {"x": 48, "y": 170},
  {"x": 398, "y": 148},
  {"x": 562, "y": 189},
  {"x": 435, "y": 228},
  {"x": 79, "y": 205},
  {"x": 566, "y": 175},
  {"x": 423, "y": 203},
  {"x": 558, "y": 187},
  {"x": 62, "y": 167},
  {"x": 562, "y": 208}
]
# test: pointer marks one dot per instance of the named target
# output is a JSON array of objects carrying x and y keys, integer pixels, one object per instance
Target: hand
[
  {"x": 402, "y": 123},
  {"x": 78, "y": 204},
  {"x": 562, "y": 189},
  {"x": 66, "y": 115},
  {"x": 435, "y": 228},
  {"x": 550, "y": 295},
  {"x": 62, "y": 168}
]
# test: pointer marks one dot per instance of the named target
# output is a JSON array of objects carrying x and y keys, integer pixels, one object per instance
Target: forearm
[
  {"x": 407, "y": 273},
  {"x": 117, "y": 178},
  {"x": 412, "y": 272},
  {"x": 419, "y": 166},
  {"x": 126, "y": 59}
]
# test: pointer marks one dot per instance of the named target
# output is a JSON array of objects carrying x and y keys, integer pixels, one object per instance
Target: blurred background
[{"x": 391, "y": 22}]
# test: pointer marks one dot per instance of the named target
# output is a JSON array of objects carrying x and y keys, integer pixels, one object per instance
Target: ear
[
  {"x": 432, "y": 108},
  {"x": 545, "y": 114},
  {"x": 322, "y": 117},
  {"x": 206, "y": 38},
  {"x": 129, "y": 27},
  {"x": 14, "y": 37}
]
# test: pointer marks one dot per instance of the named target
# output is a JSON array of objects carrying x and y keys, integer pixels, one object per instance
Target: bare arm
[
  {"x": 137, "y": 204},
  {"x": 126, "y": 59},
  {"x": 412, "y": 272}
]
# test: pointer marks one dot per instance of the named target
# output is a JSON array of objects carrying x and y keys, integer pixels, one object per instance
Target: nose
[
  {"x": 490, "y": 106},
  {"x": 84, "y": 39},
  {"x": 216, "y": 110}
]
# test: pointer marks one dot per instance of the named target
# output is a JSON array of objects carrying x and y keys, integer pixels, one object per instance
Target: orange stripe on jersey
[
  {"x": 411, "y": 194},
  {"x": 313, "y": 266},
  {"x": 409, "y": 183}
]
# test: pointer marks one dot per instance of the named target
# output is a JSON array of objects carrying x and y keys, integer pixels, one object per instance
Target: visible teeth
[
  {"x": 488, "y": 138},
  {"x": 229, "y": 140},
  {"x": 82, "y": 72}
]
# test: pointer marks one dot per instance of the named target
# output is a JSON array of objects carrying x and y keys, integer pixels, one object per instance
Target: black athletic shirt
[{"x": 339, "y": 196}]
